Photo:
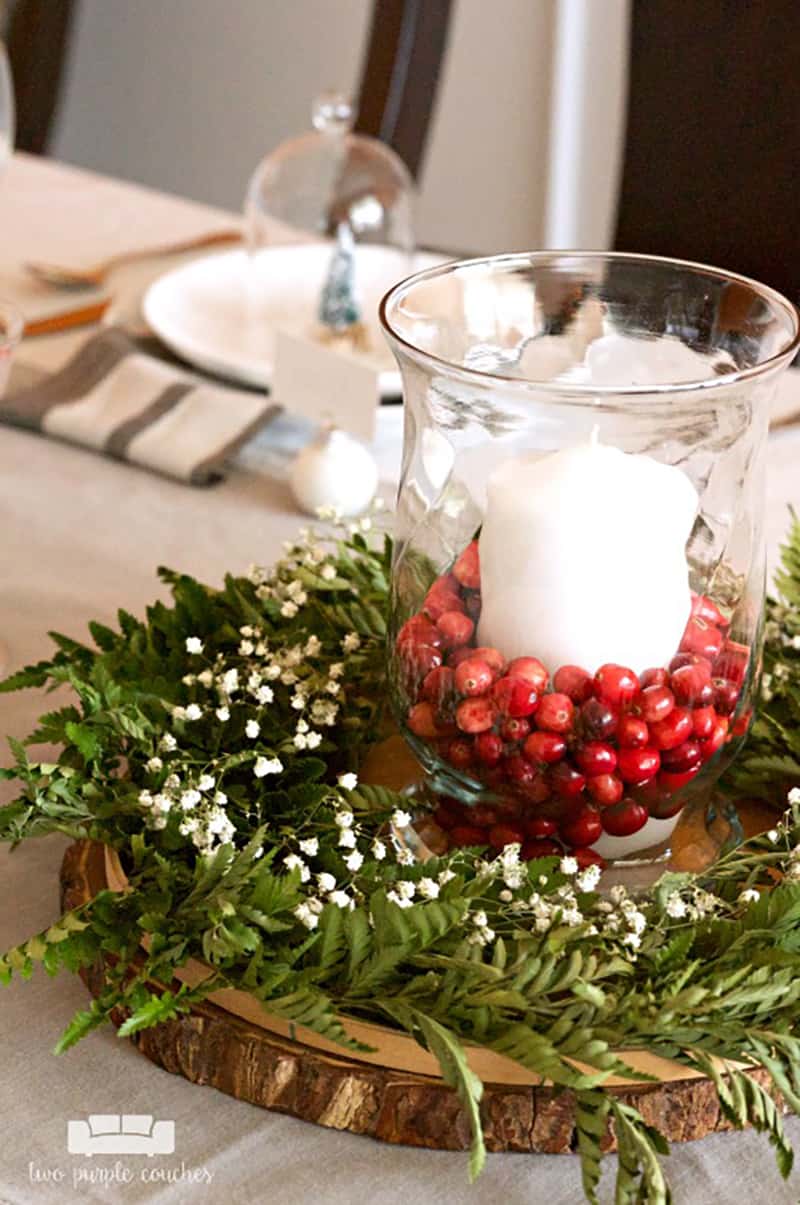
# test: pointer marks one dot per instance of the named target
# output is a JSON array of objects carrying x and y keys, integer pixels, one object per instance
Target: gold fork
[{"x": 85, "y": 278}]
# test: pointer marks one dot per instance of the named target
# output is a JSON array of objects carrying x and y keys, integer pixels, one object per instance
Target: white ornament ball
[{"x": 334, "y": 470}]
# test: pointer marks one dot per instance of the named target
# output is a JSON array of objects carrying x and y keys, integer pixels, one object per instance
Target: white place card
[{"x": 325, "y": 385}]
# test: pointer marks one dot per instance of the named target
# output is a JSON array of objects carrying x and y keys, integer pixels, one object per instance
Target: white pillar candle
[{"x": 583, "y": 558}]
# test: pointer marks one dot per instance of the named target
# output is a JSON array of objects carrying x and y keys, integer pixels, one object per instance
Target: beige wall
[{"x": 187, "y": 95}]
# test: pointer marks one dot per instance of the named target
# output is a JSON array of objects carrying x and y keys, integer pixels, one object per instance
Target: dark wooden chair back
[
  {"x": 712, "y": 159},
  {"x": 38, "y": 35},
  {"x": 400, "y": 74}
]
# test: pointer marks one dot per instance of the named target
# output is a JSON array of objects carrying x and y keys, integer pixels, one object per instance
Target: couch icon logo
[{"x": 120, "y": 1134}]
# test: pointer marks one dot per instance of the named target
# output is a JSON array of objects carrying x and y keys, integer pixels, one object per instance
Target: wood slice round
[{"x": 213, "y": 1046}]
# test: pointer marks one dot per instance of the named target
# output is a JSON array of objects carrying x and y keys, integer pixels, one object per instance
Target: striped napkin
[{"x": 114, "y": 399}]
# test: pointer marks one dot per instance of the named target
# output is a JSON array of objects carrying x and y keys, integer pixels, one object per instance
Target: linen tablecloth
[{"x": 81, "y": 536}]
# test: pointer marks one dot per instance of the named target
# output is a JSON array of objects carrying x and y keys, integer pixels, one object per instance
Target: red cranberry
[
  {"x": 520, "y": 771},
  {"x": 714, "y": 743},
  {"x": 475, "y": 715},
  {"x": 598, "y": 721},
  {"x": 442, "y": 598},
  {"x": 583, "y": 826},
  {"x": 555, "y": 713},
  {"x": 493, "y": 658},
  {"x": 588, "y": 857},
  {"x": 669, "y": 800},
  {"x": 419, "y": 630},
  {"x": 637, "y": 765},
  {"x": 703, "y": 720},
  {"x": 655, "y": 703},
  {"x": 605, "y": 789},
  {"x": 704, "y": 608},
  {"x": 445, "y": 817},
  {"x": 506, "y": 834},
  {"x": 673, "y": 731},
  {"x": 473, "y": 677},
  {"x": 732, "y": 662},
  {"x": 567, "y": 782},
  {"x": 467, "y": 834},
  {"x": 456, "y": 629},
  {"x": 467, "y": 569},
  {"x": 531, "y": 670},
  {"x": 632, "y": 732},
  {"x": 482, "y": 814},
  {"x": 702, "y": 638},
  {"x": 681, "y": 659},
  {"x": 438, "y": 685},
  {"x": 615, "y": 684},
  {"x": 726, "y": 696},
  {"x": 545, "y": 747},
  {"x": 512, "y": 729},
  {"x": 460, "y": 753},
  {"x": 692, "y": 684},
  {"x": 674, "y": 780},
  {"x": 541, "y": 826},
  {"x": 422, "y": 721},
  {"x": 537, "y": 790},
  {"x": 686, "y": 757},
  {"x": 489, "y": 748},
  {"x": 534, "y": 849},
  {"x": 514, "y": 696},
  {"x": 573, "y": 681},
  {"x": 654, "y": 677},
  {"x": 595, "y": 757},
  {"x": 743, "y": 722},
  {"x": 624, "y": 818},
  {"x": 419, "y": 659}
]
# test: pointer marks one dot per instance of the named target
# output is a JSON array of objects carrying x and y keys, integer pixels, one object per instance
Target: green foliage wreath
[{"x": 215, "y": 746}]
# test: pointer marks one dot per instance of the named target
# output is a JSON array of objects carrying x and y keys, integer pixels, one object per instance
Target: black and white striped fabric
[{"x": 114, "y": 399}]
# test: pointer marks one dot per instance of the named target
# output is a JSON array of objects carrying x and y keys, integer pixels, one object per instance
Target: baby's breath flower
[
  {"x": 568, "y": 866},
  {"x": 773, "y": 835},
  {"x": 401, "y": 819},
  {"x": 445, "y": 876},
  {"x": 428, "y": 888},
  {"x": 348, "y": 782},
  {"x": 405, "y": 857},
  {"x": 351, "y": 643},
  {"x": 400, "y": 900},
  {"x": 294, "y": 862},
  {"x": 327, "y": 573},
  {"x": 154, "y": 764},
  {"x": 194, "y": 644},
  {"x": 354, "y": 861},
  {"x": 220, "y": 798},
  {"x": 326, "y": 881},
  {"x": 188, "y": 679},
  {"x": 289, "y": 609},
  {"x": 246, "y": 648},
  {"x": 206, "y": 782},
  {"x": 588, "y": 879},
  {"x": 347, "y": 838},
  {"x": 252, "y": 729},
  {"x": 749, "y": 896},
  {"x": 343, "y": 819},
  {"x": 794, "y": 794},
  {"x": 223, "y": 714},
  {"x": 267, "y": 765},
  {"x": 313, "y": 646},
  {"x": 378, "y": 850},
  {"x": 190, "y": 799},
  {"x": 309, "y": 846},
  {"x": 314, "y": 740},
  {"x": 306, "y": 916},
  {"x": 230, "y": 681},
  {"x": 206, "y": 678},
  {"x": 336, "y": 670},
  {"x": 341, "y": 899},
  {"x": 633, "y": 940},
  {"x": 264, "y": 695},
  {"x": 146, "y": 798},
  {"x": 299, "y": 740},
  {"x": 194, "y": 712}
]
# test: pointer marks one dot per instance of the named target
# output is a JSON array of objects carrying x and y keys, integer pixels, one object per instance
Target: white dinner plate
[{"x": 220, "y": 312}]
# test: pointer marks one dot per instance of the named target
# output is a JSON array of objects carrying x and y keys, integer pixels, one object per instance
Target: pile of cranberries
[{"x": 571, "y": 758}]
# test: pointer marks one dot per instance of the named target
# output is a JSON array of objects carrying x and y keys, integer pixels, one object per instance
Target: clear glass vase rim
[{"x": 582, "y": 392}]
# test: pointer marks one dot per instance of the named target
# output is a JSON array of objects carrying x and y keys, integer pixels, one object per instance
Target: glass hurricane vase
[{"x": 579, "y": 570}]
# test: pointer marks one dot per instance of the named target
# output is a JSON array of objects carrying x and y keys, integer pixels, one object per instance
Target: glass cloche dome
[{"x": 329, "y": 230}]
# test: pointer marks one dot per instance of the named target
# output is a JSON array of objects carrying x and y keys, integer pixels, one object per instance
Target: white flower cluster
[
  {"x": 691, "y": 903},
  {"x": 200, "y": 805}
]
